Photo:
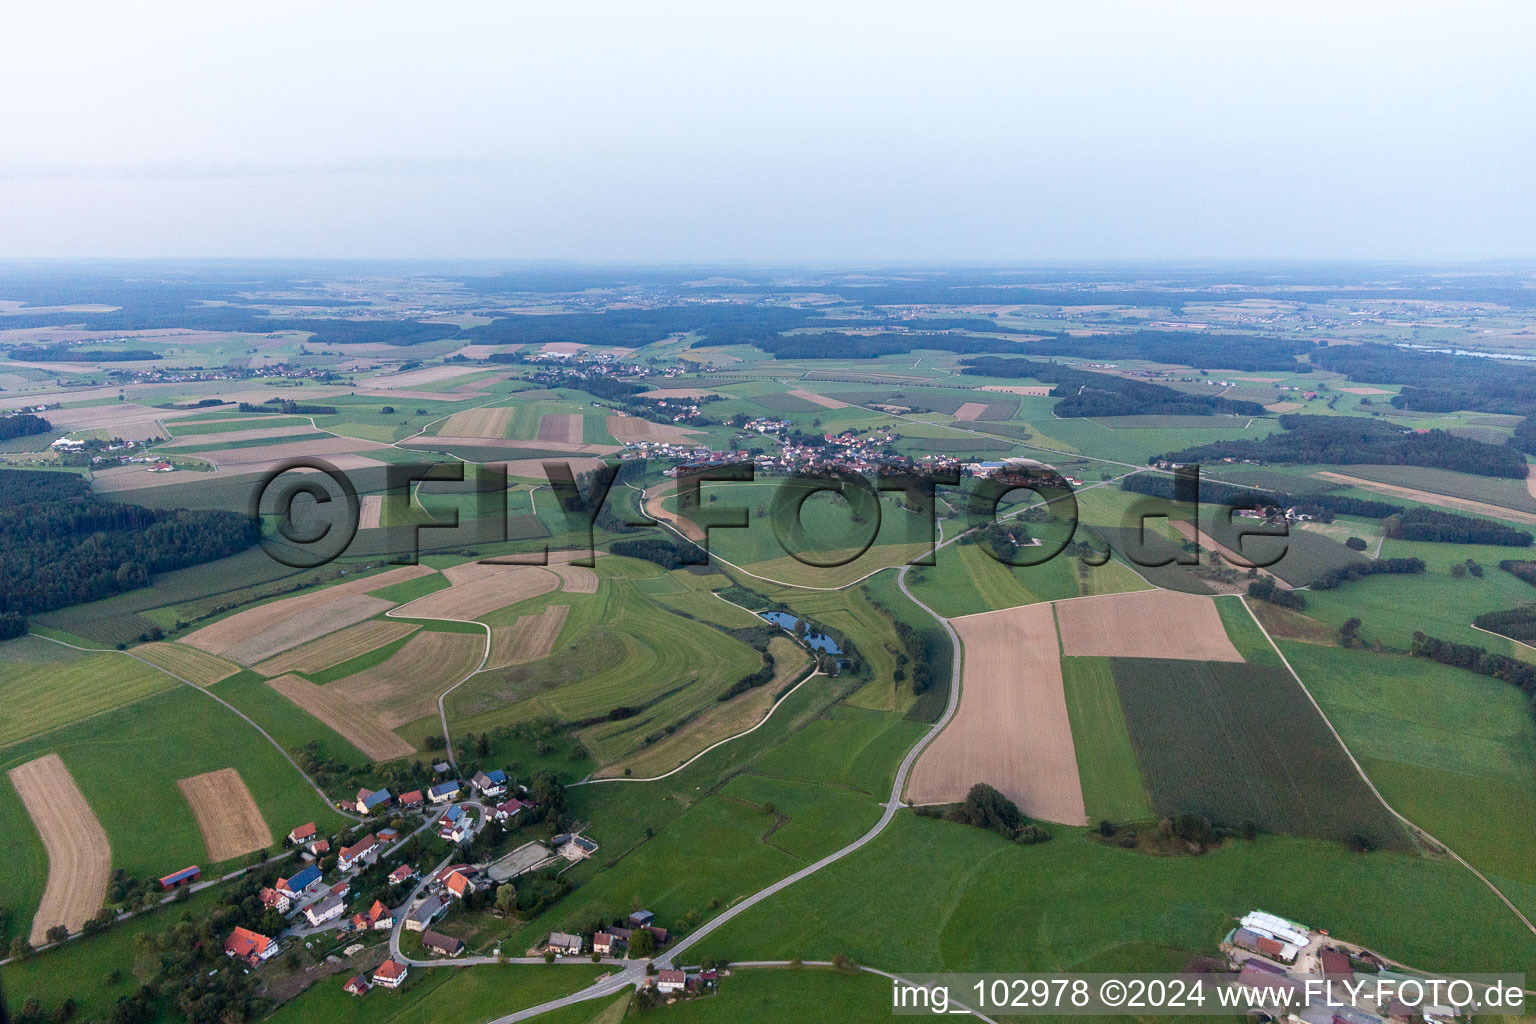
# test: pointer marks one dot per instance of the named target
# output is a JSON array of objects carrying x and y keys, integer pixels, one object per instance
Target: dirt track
[
  {"x": 530, "y": 638},
  {"x": 79, "y": 856},
  {"x": 1145, "y": 624},
  {"x": 227, "y": 816},
  {"x": 318, "y": 655},
  {"x": 356, "y": 724},
  {"x": 1012, "y": 730}
]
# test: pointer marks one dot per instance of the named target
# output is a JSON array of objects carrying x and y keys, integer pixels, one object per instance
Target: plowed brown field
[
  {"x": 79, "y": 856},
  {"x": 1145, "y": 624},
  {"x": 227, "y": 816}
]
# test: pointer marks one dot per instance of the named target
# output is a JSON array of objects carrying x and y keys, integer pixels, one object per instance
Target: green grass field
[
  {"x": 788, "y": 996},
  {"x": 966, "y": 580},
  {"x": 1245, "y": 633},
  {"x": 1493, "y": 490},
  {"x": 442, "y": 995},
  {"x": 1106, "y": 761},
  {"x": 127, "y": 761},
  {"x": 1452, "y": 750},
  {"x": 1075, "y": 904},
  {"x": 632, "y": 652},
  {"x": 1237, "y": 742},
  {"x": 40, "y": 697}
]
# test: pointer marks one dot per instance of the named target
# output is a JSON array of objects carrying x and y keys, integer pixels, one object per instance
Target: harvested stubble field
[
  {"x": 970, "y": 411},
  {"x": 821, "y": 400},
  {"x": 727, "y": 718},
  {"x": 189, "y": 663},
  {"x": 358, "y": 725},
  {"x": 406, "y": 687},
  {"x": 1012, "y": 730},
  {"x": 530, "y": 638},
  {"x": 265, "y": 631},
  {"x": 561, "y": 427},
  {"x": 79, "y": 856},
  {"x": 476, "y": 589},
  {"x": 241, "y": 459},
  {"x": 235, "y": 436},
  {"x": 227, "y": 815},
  {"x": 343, "y": 645},
  {"x": 49, "y": 694},
  {"x": 1145, "y": 624},
  {"x": 1431, "y": 498},
  {"x": 254, "y": 636},
  {"x": 652, "y": 505},
  {"x": 371, "y": 515},
  {"x": 480, "y": 422},
  {"x": 575, "y": 579},
  {"x": 633, "y": 428}
]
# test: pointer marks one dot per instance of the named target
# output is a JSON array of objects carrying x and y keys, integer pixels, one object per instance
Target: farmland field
[
  {"x": 1218, "y": 739},
  {"x": 79, "y": 855},
  {"x": 405, "y": 687},
  {"x": 1013, "y": 730},
  {"x": 1106, "y": 760},
  {"x": 1452, "y": 750},
  {"x": 170, "y": 736},
  {"x": 343, "y": 645},
  {"x": 44, "y": 696},
  {"x": 1146, "y": 624},
  {"x": 1087, "y": 904},
  {"x": 189, "y": 663},
  {"x": 227, "y": 816},
  {"x": 359, "y": 725}
]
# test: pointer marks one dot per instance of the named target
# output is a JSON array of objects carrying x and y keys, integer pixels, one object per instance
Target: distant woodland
[
  {"x": 1084, "y": 393},
  {"x": 1355, "y": 440}
]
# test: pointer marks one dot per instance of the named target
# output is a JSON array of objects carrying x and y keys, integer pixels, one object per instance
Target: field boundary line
[
  {"x": 485, "y": 656},
  {"x": 1414, "y": 828},
  {"x": 208, "y": 693},
  {"x": 718, "y": 743}
]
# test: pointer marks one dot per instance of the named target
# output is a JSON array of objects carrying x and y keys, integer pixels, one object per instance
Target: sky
[{"x": 661, "y": 131}]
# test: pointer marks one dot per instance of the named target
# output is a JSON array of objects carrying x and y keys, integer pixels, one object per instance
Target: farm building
[
  {"x": 425, "y": 912},
  {"x": 328, "y": 909},
  {"x": 388, "y": 835},
  {"x": 362, "y": 851},
  {"x": 390, "y": 974},
  {"x": 369, "y": 800},
  {"x": 186, "y": 876},
  {"x": 296, "y": 886},
  {"x": 251, "y": 947},
  {"x": 641, "y": 918},
  {"x": 357, "y": 985},
  {"x": 565, "y": 943},
  {"x": 410, "y": 801},
  {"x": 444, "y": 945},
  {"x": 444, "y": 792},
  {"x": 1336, "y": 964},
  {"x": 671, "y": 981},
  {"x": 303, "y": 834},
  {"x": 274, "y": 900}
]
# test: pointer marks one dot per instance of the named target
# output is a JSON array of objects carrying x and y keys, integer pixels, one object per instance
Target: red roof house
[
  {"x": 391, "y": 974},
  {"x": 252, "y": 947}
]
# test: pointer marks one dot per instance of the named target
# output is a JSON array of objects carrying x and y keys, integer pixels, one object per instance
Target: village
[{"x": 344, "y": 900}]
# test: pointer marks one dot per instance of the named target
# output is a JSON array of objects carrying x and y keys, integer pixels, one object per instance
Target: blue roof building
[{"x": 301, "y": 881}]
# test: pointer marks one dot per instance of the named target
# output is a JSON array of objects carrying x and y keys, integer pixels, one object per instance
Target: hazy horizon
[{"x": 887, "y": 134}]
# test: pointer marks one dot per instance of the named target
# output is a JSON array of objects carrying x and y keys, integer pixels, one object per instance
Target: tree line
[
  {"x": 23, "y": 425},
  {"x": 1476, "y": 659},
  {"x": 1355, "y": 440},
  {"x": 1429, "y": 524},
  {"x": 1341, "y": 574},
  {"x": 1084, "y": 393},
  {"x": 1322, "y": 506}
]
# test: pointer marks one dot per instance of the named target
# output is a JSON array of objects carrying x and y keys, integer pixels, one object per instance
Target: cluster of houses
[
  {"x": 612, "y": 940},
  {"x": 1274, "y": 954}
]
